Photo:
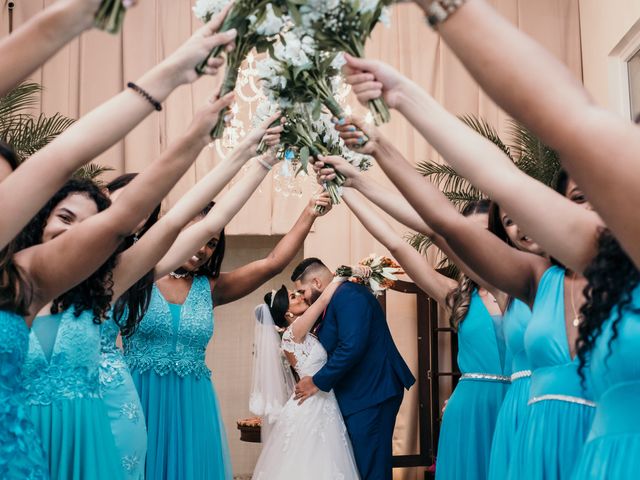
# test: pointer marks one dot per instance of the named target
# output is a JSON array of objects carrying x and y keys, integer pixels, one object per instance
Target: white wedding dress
[{"x": 308, "y": 441}]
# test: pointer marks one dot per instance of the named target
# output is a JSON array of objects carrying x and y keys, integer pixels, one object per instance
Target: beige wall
[
  {"x": 96, "y": 66},
  {"x": 604, "y": 24}
]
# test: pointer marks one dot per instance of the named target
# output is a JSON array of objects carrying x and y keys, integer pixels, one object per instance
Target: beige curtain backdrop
[{"x": 96, "y": 66}]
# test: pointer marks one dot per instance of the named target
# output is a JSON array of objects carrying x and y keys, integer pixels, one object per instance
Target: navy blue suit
[{"x": 367, "y": 374}]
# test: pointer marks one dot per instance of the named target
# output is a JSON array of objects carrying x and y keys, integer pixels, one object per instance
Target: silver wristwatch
[{"x": 440, "y": 10}]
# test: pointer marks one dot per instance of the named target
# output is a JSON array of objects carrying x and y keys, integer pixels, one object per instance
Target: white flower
[
  {"x": 338, "y": 61},
  {"x": 385, "y": 16},
  {"x": 294, "y": 50},
  {"x": 205, "y": 9},
  {"x": 367, "y": 5},
  {"x": 271, "y": 25}
]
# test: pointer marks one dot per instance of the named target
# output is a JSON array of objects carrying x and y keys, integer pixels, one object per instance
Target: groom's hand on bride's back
[{"x": 305, "y": 389}]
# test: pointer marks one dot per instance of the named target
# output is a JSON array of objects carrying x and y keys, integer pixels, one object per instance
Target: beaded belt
[
  {"x": 563, "y": 398},
  {"x": 487, "y": 377},
  {"x": 520, "y": 374}
]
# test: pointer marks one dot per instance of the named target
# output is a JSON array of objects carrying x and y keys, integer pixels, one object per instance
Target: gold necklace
[{"x": 577, "y": 318}]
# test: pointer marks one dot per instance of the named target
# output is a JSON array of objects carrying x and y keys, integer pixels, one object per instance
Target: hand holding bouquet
[
  {"x": 378, "y": 273},
  {"x": 110, "y": 15}
]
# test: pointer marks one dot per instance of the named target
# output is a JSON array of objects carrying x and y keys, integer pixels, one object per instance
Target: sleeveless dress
[
  {"x": 470, "y": 415},
  {"x": 308, "y": 441},
  {"x": 123, "y": 404},
  {"x": 612, "y": 449},
  {"x": 514, "y": 406},
  {"x": 166, "y": 356},
  {"x": 560, "y": 410},
  {"x": 21, "y": 455},
  {"x": 62, "y": 394}
]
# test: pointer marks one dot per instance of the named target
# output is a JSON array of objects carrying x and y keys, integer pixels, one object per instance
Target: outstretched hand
[
  {"x": 208, "y": 114},
  {"x": 326, "y": 168},
  {"x": 266, "y": 133},
  {"x": 182, "y": 62},
  {"x": 357, "y": 135},
  {"x": 320, "y": 200},
  {"x": 371, "y": 79},
  {"x": 305, "y": 389}
]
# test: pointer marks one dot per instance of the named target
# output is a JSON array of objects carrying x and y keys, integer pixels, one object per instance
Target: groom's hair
[{"x": 307, "y": 266}]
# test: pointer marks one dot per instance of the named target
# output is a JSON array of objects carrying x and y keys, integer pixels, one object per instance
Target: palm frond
[
  {"x": 92, "y": 171},
  {"x": 418, "y": 241},
  {"x": 487, "y": 130},
  {"x": 29, "y": 134},
  {"x": 24, "y": 96}
]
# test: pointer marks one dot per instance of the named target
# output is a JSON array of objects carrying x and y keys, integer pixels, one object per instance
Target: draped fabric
[{"x": 96, "y": 66}]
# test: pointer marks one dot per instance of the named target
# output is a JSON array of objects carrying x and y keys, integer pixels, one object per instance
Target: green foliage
[
  {"x": 27, "y": 133},
  {"x": 523, "y": 148}
]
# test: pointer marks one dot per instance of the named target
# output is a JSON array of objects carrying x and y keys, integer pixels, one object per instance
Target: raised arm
[
  {"x": 198, "y": 234},
  {"x": 305, "y": 322},
  {"x": 149, "y": 250},
  {"x": 240, "y": 282},
  {"x": 36, "y": 180},
  {"x": 36, "y": 41},
  {"x": 60, "y": 264},
  {"x": 505, "y": 268},
  {"x": 557, "y": 108},
  {"x": 414, "y": 264}
]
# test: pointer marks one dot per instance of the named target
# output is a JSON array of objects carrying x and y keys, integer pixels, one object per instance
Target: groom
[{"x": 364, "y": 369}]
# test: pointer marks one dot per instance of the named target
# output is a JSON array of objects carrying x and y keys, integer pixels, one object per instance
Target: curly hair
[
  {"x": 612, "y": 277},
  {"x": 459, "y": 299},
  {"x": 96, "y": 292}
]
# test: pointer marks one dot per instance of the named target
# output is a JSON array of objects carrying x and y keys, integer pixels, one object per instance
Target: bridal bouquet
[
  {"x": 376, "y": 272},
  {"x": 258, "y": 22},
  {"x": 343, "y": 25},
  {"x": 110, "y": 15}
]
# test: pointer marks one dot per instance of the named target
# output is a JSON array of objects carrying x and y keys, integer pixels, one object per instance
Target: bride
[{"x": 310, "y": 440}]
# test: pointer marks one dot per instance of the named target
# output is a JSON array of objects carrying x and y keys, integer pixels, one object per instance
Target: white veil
[{"x": 272, "y": 383}]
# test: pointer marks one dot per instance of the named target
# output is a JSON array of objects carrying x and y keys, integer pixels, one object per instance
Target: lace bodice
[
  {"x": 113, "y": 368},
  {"x": 159, "y": 346},
  {"x": 21, "y": 455},
  {"x": 72, "y": 371},
  {"x": 310, "y": 354}
]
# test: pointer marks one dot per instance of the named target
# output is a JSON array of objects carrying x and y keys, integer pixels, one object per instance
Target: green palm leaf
[
  {"x": 29, "y": 134},
  {"x": 92, "y": 171},
  {"x": 25, "y": 95}
]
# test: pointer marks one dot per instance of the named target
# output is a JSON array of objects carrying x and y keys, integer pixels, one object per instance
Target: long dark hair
[
  {"x": 278, "y": 303},
  {"x": 15, "y": 288},
  {"x": 9, "y": 154},
  {"x": 96, "y": 292},
  {"x": 459, "y": 299},
  {"x": 612, "y": 277},
  {"x": 135, "y": 301}
]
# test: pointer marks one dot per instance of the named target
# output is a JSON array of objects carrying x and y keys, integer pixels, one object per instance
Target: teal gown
[
  {"x": 21, "y": 455},
  {"x": 166, "y": 356},
  {"x": 514, "y": 407},
  {"x": 470, "y": 415},
  {"x": 612, "y": 450},
  {"x": 560, "y": 409},
  {"x": 63, "y": 400},
  {"x": 123, "y": 405}
]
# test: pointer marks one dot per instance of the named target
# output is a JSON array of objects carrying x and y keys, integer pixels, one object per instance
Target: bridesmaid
[
  {"x": 154, "y": 237},
  {"x": 166, "y": 354},
  {"x": 608, "y": 352}
]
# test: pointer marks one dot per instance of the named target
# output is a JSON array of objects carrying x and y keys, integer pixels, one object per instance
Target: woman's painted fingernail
[
  {"x": 341, "y": 121},
  {"x": 352, "y": 129}
]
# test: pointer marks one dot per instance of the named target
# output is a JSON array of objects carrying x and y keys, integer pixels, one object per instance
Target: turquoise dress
[
  {"x": 470, "y": 415},
  {"x": 514, "y": 407},
  {"x": 166, "y": 356},
  {"x": 123, "y": 404},
  {"x": 612, "y": 450},
  {"x": 62, "y": 395},
  {"x": 560, "y": 410},
  {"x": 21, "y": 455}
]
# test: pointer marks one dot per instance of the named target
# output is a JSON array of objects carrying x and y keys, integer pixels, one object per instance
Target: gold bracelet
[{"x": 440, "y": 10}]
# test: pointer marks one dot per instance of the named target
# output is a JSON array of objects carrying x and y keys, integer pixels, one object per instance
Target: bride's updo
[{"x": 278, "y": 303}]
